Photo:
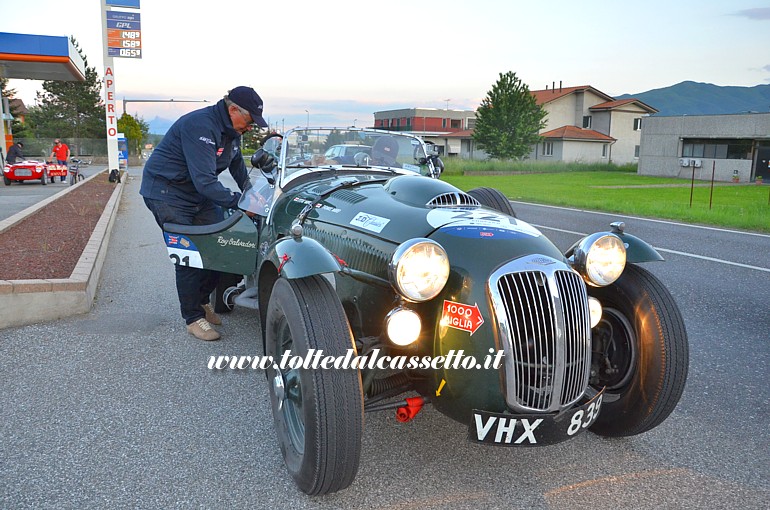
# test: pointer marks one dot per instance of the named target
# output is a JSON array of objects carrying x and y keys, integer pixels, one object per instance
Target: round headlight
[
  {"x": 600, "y": 259},
  {"x": 403, "y": 326},
  {"x": 419, "y": 269}
]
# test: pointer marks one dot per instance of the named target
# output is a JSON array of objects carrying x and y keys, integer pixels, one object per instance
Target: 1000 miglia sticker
[
  {"x": 480, "y": 224},
  {"x": 182, "y": 251}
]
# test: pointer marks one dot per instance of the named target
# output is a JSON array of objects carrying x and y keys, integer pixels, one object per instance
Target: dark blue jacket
[
  {"x": 184, "y": 167},
  {"x": 14, "y": 154}
]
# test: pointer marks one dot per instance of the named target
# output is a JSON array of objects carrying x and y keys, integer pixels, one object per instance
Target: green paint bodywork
[
  {"x": 355, "y": 230},
  {"x": 639, "y": 251}
]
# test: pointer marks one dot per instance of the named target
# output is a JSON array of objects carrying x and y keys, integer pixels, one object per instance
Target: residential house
[{"x": 586, "y": 125}]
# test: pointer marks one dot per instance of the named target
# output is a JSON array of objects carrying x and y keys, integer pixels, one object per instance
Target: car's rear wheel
[
  {"x": 494, "y": 199},
  {"x": 44, "y": 177},
  {"x": 640, "y": 354},
  {"x": 318, "y": 413}
]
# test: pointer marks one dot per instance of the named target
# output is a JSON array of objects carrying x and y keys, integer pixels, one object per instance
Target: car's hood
[{"x": 406, "y": 207}]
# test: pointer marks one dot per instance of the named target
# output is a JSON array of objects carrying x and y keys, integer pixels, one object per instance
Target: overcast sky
[{"x": 339, "y": 61}]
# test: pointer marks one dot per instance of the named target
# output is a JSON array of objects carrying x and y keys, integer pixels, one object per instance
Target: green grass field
[{"x": 616, "y": 189}]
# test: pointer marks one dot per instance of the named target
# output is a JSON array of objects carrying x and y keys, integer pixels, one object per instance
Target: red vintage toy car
[{"x": 33, "y": 170}]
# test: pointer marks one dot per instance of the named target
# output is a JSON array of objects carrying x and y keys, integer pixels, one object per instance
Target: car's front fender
[
  {"x": 298, "y": 257},
  {"x": 637, "y": 250}
]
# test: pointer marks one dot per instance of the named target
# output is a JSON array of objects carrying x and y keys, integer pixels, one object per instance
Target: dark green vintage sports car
[{"x": 379, "y": 288}]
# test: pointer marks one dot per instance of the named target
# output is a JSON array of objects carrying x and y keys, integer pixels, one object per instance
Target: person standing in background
[
  {"x": 14, "y": 153},
  {"x": 60, "y": 153}
]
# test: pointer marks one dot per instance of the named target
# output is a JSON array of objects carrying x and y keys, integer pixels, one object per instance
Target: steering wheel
[{"x": 361, "y": 159}]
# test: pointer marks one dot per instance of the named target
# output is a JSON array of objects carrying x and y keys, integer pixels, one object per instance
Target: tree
[
  {"x": 135, "y": 129},
  {"x": 509, "y": 119},
  {"x": 70, "y": 109}
]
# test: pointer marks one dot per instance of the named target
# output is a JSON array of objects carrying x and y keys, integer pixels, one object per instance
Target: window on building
[
  {"x": 604, "y": 150},
  {"x": 470, "y": 123},
  {"x": 455, "y": 124},
  {"x": 587, "y": 122},
  {"x": 408, "y": 121},
  {"x": 547, "y": 148},
  {"x": 638, "y": 124},
  {"x": 443, "y": 123},
  {"x": 398, "y": 122},
  {"x": 716, "y": 148},
  {"x": 636, "y": 151}
]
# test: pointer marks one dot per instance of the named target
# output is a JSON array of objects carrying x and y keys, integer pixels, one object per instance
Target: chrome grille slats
[
  {"x": 542, "y": 309},
  {"x": 577, "y": 335},
  {"x": 453, "y": 199}
]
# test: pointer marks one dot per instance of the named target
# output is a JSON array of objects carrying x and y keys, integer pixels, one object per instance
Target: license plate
[
  {"x": 532, "y": 429},
  {"x": 23, "y": 172}
]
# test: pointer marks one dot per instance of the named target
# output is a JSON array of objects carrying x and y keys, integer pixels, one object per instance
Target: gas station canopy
[{"x": 40, "y": 57}]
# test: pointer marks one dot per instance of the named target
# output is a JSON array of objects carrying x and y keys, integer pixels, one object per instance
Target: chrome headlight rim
[
  {"x": 582, "y": 254},
  {"x": 401, "y": 255}
]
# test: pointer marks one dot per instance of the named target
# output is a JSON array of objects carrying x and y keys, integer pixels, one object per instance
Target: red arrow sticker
[{"x": 461, "y": 316}]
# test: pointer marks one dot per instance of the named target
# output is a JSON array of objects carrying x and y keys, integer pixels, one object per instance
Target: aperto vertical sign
[{"x": 109, "y": 102}]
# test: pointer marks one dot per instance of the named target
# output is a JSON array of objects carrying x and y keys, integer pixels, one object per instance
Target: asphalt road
[
  {"x": 116, "y": 408},
  {"x": 22, "y": 194}
]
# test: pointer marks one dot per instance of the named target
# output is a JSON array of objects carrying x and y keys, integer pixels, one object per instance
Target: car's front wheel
[
  {"x": 640, "y": 354},
  {"x": 44, "y": 177},
  {"x": 318, "y": 413}
]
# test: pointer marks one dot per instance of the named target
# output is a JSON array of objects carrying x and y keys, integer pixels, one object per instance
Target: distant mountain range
[
  {"x": 159, "y": 125},
  {"x": 692, "y": 98}
]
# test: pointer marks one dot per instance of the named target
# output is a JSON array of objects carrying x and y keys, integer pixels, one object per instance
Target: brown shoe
[
  {"x": 212, "y": 316},
  {"x": 202, "y": 330}
]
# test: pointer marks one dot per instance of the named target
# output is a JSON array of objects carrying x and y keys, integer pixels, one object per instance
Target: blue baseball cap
[{"x": 249, "y": 100}]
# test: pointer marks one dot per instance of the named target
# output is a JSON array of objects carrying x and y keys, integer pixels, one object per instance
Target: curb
[{"x": 30, "y": 301}]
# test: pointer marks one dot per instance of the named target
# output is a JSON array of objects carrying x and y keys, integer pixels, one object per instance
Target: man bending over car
[{"x": 180, "y": 185}]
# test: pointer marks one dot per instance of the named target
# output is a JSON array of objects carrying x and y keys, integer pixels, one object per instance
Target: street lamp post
[
  {"x": 161, "y": 101},
  {"x": 307, "y": 126}
]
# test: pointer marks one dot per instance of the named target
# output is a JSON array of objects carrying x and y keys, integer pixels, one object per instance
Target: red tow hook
[{"x": 409, "y": 411}]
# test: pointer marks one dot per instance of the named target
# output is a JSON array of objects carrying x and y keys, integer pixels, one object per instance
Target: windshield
[{"x": 313, "y": 149}]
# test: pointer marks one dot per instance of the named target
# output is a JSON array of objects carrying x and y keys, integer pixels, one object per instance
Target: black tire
[
  {"x": 217, "y": 298},
  {"x": 6, "y": 181},
  {"x": 494, "y": 199},
  {"x": 640, "y": 354},
  {"x": 44, "y": 177},
  {"x": 320, "y": 421}
]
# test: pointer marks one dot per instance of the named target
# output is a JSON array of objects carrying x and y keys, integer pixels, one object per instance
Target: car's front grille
[{"x": 542, "y": 309}]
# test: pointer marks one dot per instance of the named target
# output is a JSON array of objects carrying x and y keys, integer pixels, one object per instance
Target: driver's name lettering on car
[
  {"x": 369, "y": 222},
  {"x": 222, "y": 241},
  {"x": 506, "y": 429},
  {"x": 461, "y": 316}
]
